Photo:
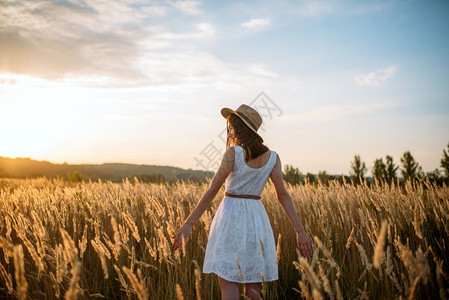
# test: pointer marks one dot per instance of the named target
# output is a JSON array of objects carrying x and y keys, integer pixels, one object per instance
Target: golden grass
[{"x": 103, "y": 239}]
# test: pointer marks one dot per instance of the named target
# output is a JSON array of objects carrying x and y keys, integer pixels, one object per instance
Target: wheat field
[{"x": 61, "y": 240}]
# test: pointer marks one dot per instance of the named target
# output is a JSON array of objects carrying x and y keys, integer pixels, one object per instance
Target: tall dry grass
[{"x": 102, "y": 239}]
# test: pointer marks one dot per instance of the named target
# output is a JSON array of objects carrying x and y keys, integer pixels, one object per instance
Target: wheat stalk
[
  {"x": 82, "y": 244},
  {"x": 278, "y": 249},
  {"x": 240, "y": 269},
  {"x": 19, "y": 272},
  {"x": 416, "y": 222},
  {"x": 137, "y": 283},
  {"x": 328, "y": 255},
  {"x": 132, "y": 225},
  {"x": 74, "y": 289},
  {"x": 116, "y": 237},
  {"x": 350, "y": 239},
  {"x": 122, "y": 281},
  {"x": 102, "y": 257},
  {"x": 313, "y": 278},
  {"x": 379, "y": 252},
  {"x": 339, "y": 293},
  {"x": 326, "y": 284},
  {"x": 179, "y": 294},
  {"x": 197, "y": 280},
  {"x": 305, "y": 290},
  {"x": 7, "y": 279},
  {"x": 363, "y": 255}
]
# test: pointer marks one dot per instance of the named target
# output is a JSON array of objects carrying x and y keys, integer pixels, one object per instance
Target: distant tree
[
  {"x": 358, "y": 169},
  {"x": 435, "y": 176},
  {"x": 410, "y": 168},
  {"x": 154, "y": 178},
  {"x": 342, "y": 178},
  {"x": 379, "y": 170},
  {"x": 445, "y": 162},
  {"x": 324, "y": 177},
  {"x": 391, "y": 170},
  {"x": 311, "y": 178},
  {"x": 75, "y": 176},
  {"x": 291, "y": 174}
]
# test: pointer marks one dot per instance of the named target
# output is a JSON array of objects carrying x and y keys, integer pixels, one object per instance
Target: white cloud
[
  {"x": 188, "y": 7},
  {"x": 155, "y": 11},
  {"x": 206, "y": 30},
  {"x": 198, "y": 69},
  {"x": 376, "y": 78},
  {"x": 261, "y": 70},
  {"x": 83, "y": 44},
  {"x": 256, "y": 23}
]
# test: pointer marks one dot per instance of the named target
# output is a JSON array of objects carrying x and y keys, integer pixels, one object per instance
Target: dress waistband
[{"x": 242, "y": 196}]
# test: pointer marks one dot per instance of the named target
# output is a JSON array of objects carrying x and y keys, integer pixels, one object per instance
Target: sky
[{"x": 144, "y": 81}]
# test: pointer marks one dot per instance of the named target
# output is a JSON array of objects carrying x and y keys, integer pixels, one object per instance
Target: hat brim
[{"x": 226, "y": 112}]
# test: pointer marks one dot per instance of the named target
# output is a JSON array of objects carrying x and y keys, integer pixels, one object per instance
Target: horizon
[
  {"x": 368, "y": 173},
  {"x": 144, "y": 82}
]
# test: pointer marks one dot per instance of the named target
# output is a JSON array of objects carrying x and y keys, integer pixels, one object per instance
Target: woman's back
[
  {"x": 246, "y": 180},
  {"x": 259, "y": 161},
  {"x": 241, "y": 246}
]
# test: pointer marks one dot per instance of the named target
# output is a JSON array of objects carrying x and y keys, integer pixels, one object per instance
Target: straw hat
[{"x": 247, "y": 114}]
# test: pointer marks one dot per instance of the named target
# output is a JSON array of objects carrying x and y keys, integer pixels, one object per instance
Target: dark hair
[{"x": 246, "y": 138}]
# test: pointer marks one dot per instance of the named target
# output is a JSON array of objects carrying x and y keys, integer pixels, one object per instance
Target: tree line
[{"x": 382, "y": 172}]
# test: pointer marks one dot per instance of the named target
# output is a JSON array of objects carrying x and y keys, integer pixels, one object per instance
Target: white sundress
[{"x": 240, "y": 228}]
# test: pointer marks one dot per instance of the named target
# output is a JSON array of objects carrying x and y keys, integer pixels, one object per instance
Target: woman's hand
[
  {"x": 184, "y": 231},
  {"x": 304, "y": 244}
]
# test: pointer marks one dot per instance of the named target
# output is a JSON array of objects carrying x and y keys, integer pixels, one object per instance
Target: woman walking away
[{"x": 241, "y": 247}]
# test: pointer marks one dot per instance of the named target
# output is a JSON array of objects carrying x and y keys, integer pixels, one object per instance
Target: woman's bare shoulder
[{"x": 230, "y": 153}]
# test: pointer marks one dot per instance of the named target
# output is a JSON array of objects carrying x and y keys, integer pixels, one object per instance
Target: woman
[{"x": 241, "y": 247}]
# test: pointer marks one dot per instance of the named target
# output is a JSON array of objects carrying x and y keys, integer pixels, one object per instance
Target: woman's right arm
[
  {"x": 303, "y": 240},
  {"x": 227, "y": 163}
]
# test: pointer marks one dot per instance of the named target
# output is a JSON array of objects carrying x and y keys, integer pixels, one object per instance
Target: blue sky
[{"x": 144, "y": 81}]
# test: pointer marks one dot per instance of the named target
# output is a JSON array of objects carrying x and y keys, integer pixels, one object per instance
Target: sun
[{"x": 32, "y": 116}]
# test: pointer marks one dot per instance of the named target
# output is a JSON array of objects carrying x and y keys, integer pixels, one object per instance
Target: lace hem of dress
[{"x": 242, "y": 280}]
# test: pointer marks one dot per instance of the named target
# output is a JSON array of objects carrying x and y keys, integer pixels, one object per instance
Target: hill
[{"x": 26, "y": 167}]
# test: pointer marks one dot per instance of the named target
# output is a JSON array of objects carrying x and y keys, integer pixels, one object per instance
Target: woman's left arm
[
  {"x": 227, "y": 163},
  {"x": 303, "y": 240}
]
